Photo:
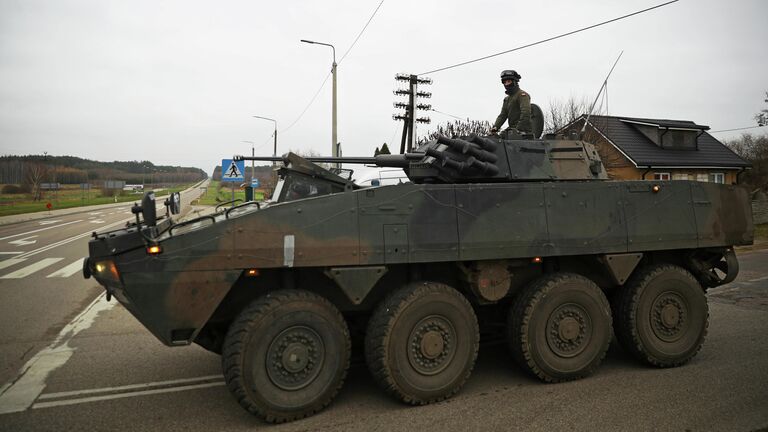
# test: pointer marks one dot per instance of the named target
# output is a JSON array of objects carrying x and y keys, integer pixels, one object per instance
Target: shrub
[{"x": 15, "y": 189}]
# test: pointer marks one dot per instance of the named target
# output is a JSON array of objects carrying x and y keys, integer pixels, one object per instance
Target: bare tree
[
  {"x": 36, "y": 173},
  {"x": 754, "y": 149},
  {"x": 561, "y": 113},
  {"x": 458, "y": 128},
  {"x": 762, "y": 117}
]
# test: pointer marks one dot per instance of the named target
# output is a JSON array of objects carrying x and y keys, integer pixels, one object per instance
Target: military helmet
[{"x": 510, "y": 75}]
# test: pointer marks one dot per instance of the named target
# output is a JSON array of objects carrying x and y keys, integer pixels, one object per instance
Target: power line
[
  {"x": 449, "y": 115},
  {"x": 311, "y": 101},
  {"x": 737, "y": 129},
  {"x": 361, "y": 31},
  {"x": 329, "y": 74},
  {"x": 548, "y": 39}
]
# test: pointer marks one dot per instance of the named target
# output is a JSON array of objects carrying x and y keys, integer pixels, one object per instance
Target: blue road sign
[
  {"x": 232, "y": 170},
  {"x": 255, "y": 182}
]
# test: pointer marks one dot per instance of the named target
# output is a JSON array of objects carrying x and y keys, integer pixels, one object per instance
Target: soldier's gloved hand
[{"x": 494, "y": 130}]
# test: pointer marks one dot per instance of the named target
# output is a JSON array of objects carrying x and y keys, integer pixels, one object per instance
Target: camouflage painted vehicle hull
[
  {"x": 175, "y": 293},
  {"x": 413, "y": 272}
]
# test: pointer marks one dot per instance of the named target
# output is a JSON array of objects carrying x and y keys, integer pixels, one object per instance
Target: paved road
[
  {"x": 41, "y": 284},
  {"x": 104, "y": 371}
]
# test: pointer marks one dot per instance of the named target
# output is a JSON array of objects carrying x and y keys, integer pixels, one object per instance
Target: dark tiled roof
[
  {"x": 663, "y": 123},
  {"x": 643, "y": 152}
]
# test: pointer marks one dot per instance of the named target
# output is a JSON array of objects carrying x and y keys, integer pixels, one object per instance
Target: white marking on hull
[{"x": 288, "y": 250}]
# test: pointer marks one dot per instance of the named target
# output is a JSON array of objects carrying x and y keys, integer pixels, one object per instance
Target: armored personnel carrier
[{"x": 523, "y": 235}]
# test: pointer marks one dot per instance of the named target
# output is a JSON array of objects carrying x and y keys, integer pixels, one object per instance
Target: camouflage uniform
[{"x": 517, "y": 109}]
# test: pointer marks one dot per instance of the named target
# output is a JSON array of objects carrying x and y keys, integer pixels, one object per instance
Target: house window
[
  {"x": 717, "y": 178},
  {"x": 675, "y": 139},
  {"x": 661, "y": 176},
  {"x": 702, "y": 177},
  {"x": 680, "y": 176}
]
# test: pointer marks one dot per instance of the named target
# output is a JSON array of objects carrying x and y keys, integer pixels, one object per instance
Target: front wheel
[{"x": 286, "y": 355}]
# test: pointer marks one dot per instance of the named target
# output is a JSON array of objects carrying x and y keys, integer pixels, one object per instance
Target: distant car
[{"x": 375, "y": 176}]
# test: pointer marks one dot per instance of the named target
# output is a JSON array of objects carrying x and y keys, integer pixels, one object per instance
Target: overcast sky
[{"x": 176, "y": 82}]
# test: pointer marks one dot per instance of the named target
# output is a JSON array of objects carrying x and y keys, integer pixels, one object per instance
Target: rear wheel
[
  {"x": 559, "y": 327},
  {"x": 286, "y": 355},
  {"x": 661, "y": 315},
  {"x": 422, "y": 342}
]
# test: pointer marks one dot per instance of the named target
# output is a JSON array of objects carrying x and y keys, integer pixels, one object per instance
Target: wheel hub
[
  {"x": 669, "y": 314},
  {"x": 568, "y": 330},
  {"x": 295, "y": 358},
  {"x": 431, "y": 345}
]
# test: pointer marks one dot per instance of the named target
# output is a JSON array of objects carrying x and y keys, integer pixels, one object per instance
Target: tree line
[
  {"x": 74, "y": 170},
  {"x": 27, "y": 174}
]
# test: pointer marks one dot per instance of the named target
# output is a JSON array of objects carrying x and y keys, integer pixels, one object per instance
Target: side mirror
[
  {"x": 148, "y": 209},
  {"x": 173, "y": 203}
]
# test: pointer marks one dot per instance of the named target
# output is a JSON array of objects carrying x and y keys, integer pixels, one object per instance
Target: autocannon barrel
[{"x": 385, "y": 160}]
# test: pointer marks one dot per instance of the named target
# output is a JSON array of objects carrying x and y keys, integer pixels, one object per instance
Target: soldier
[{"x": 516, "y": 107}]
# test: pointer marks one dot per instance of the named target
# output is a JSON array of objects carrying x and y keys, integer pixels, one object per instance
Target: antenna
[{"x": 602, "y": 87}]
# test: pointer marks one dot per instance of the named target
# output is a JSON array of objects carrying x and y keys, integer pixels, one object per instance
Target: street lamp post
[
  {"x": 334, "y": 140},
  {"x": 274, "y": 150}
]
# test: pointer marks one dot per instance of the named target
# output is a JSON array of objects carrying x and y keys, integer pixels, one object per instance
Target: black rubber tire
[
  {"x": 653, "y": 295},
  {"x": 422, "y": 342},
  {"x": 287, "y": 326},
  {"x": 559, "y": 327}
]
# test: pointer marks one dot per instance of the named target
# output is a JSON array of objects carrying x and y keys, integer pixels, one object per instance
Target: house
[{"x": 655, "y": 149}]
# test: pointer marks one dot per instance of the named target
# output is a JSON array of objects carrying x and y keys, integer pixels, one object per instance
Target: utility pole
[{"x": 410, "y": 107}]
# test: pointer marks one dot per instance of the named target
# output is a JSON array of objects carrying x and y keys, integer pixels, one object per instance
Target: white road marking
[
  {"x": 68, "y": 270},
  {"x": 28, "y": 270},
  {"x": 38, "y": 230},
  {"x": 97, "y": 221},
  {"x": 48, "y": 222},
  {"x": 759, "y": 279},
  {"x": 9, "y": 262},
  {"x": 27, "y": 386},
  {"x": 59, "y": 395},
  {"x": 95, "y": 213},
  {"x": 10, "y": 253},
  {"x": 68, "y": 240},
  {"x": 23, "y": 242},
  {"x": 123, "y": 395}
]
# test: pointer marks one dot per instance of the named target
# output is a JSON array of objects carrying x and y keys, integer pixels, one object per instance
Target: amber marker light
[
  {"x": 656, "y": 188},
  {"x": 252, "y": 272},
  {"x": 536, "y": 260},
  {"x": 154, "y": 250},
  {"x": 107, "y": 270}
]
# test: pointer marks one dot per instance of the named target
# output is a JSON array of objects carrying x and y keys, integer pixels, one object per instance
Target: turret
[{"x": 476, "y": 159}]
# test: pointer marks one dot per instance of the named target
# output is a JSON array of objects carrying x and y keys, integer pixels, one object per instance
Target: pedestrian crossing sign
[{"x": 232, "y": 170}]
